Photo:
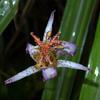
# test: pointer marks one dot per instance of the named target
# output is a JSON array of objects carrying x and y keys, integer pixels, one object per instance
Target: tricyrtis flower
[{"x": 46, "y": 54}]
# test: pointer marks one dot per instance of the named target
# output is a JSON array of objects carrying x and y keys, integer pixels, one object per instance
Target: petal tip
[
  {"x": 7, "y": 81},
  {"x": 27, "y": 47}
]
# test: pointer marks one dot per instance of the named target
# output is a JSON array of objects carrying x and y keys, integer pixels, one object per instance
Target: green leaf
[
  {"x": 74, "y": 27},
  {"x": 91, "y": 89},
  {"x": 8, "y": 9}
]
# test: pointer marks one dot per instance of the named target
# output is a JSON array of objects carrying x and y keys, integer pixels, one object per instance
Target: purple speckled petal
[
  {"x": 23, "y": 74},
  {"x": 49, "y": 73},
  {"x": 73, "y": 65},
  {"x": 32, "y": 50},
  {"x": 69, "y": 47}
]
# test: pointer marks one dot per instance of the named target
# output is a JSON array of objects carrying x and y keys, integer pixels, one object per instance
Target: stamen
[
  {"x": 55, "y": 39},
  {"x": 37, "y": 40}
]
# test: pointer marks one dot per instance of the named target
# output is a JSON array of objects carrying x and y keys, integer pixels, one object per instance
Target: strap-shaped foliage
[
  {"x": 8, "y": 9},
  {"x": 91, "y": 89}
]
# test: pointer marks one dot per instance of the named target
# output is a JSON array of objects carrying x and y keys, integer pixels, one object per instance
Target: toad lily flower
[{"x": 46, "y": 54}]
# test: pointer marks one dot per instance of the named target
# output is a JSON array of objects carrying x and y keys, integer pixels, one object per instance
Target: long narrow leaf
[
  {"x": 8, "y": 10},
  {"x": 91, "y": 88}
]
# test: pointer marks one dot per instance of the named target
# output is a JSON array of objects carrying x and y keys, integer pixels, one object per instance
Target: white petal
[
  {"x": 70, "y": 64},
  {"x": 49, "y": 25},
  {"x": 69, "y": 47},
  {"x": 20, "y": 75},
  {"x": 32, "y": 50},
  {"x": 49, "y": 73}
]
